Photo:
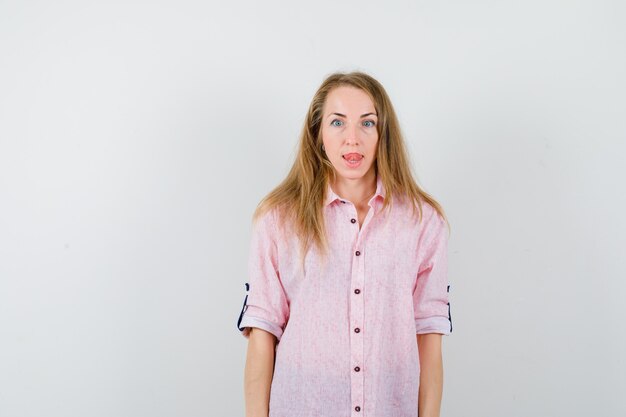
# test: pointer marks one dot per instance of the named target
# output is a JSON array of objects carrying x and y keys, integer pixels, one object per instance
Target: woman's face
[{"x": 349, "y": 131}]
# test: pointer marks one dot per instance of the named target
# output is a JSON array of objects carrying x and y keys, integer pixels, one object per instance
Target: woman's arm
[
  {"x": 431, "y": 374},
  {"x": 259, "y": 372}
]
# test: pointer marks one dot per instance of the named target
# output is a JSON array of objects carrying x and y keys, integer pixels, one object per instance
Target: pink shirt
[{"x": 346, "y": 330}]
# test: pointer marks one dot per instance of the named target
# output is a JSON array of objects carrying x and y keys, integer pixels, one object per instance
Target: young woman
[{"x": 347, "y": 294}]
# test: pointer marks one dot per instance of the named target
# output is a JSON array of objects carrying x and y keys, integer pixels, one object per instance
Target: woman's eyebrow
[{"x": 363, "y": 115}]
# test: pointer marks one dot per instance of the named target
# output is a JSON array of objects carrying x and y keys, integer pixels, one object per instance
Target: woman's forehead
[{"x": 349, "y": 101}]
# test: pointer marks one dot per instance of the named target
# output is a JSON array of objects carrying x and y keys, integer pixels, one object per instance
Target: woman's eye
[
  {"x": 371, "y": 123},
  {"x": 336, "y": 122}
]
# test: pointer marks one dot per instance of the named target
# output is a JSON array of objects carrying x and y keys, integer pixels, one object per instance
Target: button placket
[{"x": 357, "y": 320}]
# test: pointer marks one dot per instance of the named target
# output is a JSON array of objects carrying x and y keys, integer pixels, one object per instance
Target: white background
[{"x": 136, "y": 139}]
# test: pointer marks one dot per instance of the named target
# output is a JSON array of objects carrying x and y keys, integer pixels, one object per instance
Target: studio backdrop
[{"x": 136, "y": 139}]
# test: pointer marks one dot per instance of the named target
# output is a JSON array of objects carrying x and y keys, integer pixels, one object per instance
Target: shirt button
[
  {"x": 353, "y": 220},
  {"x": 357, "y": 253},
  {"x": 357, "y": 330},
  {"x": 357, "y": 369},
  {"x": 357, "y": 408},
  {"x": 357, "y": 291}
]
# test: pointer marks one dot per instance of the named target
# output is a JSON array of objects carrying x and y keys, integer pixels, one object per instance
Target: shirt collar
[{"x": 331, "y": 196}]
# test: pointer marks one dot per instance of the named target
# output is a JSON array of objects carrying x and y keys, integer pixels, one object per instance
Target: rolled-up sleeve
[
  {"x": 265, "y": 305},
  {"x": 430, "y": 295}
]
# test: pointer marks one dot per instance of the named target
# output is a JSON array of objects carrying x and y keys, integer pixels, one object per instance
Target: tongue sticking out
[{"x": 353, "y": 156}]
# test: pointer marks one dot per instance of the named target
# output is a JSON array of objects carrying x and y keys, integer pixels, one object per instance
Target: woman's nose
[{"x": 352, "y": 134}]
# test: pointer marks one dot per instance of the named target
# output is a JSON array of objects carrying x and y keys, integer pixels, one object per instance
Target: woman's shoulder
[
  {"x": 432, "y": 221},
  {"x": 407, "y": 205},
  {"x": 264, "y": 218},
  {"x": 270, "y": 219},
  {"x": 429, "y": 211},
  {"x": 422, "y": 217}
]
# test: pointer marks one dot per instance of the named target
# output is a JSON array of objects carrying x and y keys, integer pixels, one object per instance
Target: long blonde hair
[{"x": 300, "y": 196}]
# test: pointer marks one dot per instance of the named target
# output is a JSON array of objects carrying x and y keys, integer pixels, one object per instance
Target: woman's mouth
[{"x": 353, "y": 160}]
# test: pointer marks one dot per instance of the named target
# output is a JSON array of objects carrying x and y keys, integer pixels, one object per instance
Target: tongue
[{"x": 353, "y": 156}]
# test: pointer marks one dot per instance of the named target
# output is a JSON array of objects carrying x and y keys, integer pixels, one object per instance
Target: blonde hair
[{"x": 300, "y": 196}]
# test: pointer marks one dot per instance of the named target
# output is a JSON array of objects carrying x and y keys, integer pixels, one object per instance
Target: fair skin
[
  {"x": 431, "y": 374},
  {"x": 259, "y": 372},
  {"x": 348, "y": 127}
]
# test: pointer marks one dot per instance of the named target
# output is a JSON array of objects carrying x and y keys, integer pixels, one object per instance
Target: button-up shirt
[{"x": 346, "y": 327}]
